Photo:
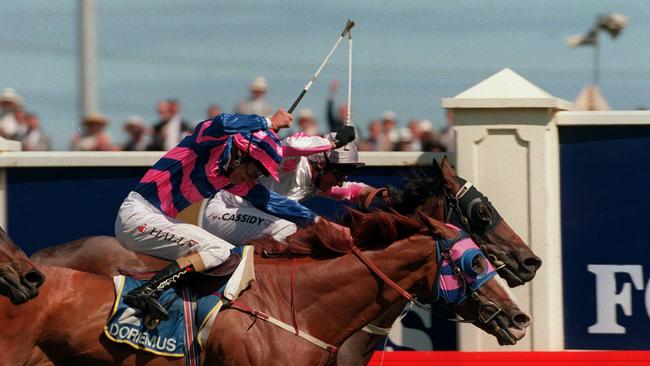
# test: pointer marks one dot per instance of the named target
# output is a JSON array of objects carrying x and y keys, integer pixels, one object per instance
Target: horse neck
[{"x": 335, "y": 298}]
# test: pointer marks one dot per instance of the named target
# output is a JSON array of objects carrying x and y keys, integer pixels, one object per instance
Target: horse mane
[
  {"x": 322, "y": 240},
  {"x": 418, "y": 188}
]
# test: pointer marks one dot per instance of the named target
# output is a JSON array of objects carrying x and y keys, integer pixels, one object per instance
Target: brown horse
[
  {"x": 433, "y": 195},
  {"x": 437, "y": 196},
  {"x": 336, "y": 295},
  {"x": 19, "y": 279}
]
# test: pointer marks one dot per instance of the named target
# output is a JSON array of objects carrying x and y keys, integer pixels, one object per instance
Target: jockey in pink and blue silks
[
  {"x": 312, "y": 166},
  {"x": 227, "y": 153}
]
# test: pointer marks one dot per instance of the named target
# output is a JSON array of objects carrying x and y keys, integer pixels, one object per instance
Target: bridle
[
  {"x": 456, "y": 205},
  {"x": 443, "y": 251},
  {"x": 459, "y": 206}
]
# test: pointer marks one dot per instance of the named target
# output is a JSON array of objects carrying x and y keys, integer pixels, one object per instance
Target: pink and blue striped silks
[{"x": 193, "y": 170}]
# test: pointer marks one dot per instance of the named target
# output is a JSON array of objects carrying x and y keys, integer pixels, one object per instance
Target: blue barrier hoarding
[{"x": 605, "y": 240}]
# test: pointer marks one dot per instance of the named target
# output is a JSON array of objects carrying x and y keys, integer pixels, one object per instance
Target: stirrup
[{"x": 156, "y": 309}]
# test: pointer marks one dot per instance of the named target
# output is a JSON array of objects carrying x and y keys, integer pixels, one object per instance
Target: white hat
[
  {"x": 259, "y": 84},
  {"x": 390, "y": 115},
  {"x": 10, "y": 95},
  {"x": 306, "y": 113},
  {"x": 425, "y": 126},
  {"x": 405, "y": 134},
  {"x": 134, "y": 121}
]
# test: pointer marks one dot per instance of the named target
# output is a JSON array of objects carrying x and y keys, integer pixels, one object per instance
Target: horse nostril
[
  {"x": 34, "y": 277},
  {"x": 533, "y": 263},
  {"x": 521, "y": 320}
]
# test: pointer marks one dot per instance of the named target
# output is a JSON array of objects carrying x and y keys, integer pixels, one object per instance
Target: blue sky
[{"x": 407, "y": 54}]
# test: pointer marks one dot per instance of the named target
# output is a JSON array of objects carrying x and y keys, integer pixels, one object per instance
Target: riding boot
[{"x": 145, "y": 297}]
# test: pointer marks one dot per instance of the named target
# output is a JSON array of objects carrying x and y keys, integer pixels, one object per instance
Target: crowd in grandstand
[{"x": 383, "y": 134}]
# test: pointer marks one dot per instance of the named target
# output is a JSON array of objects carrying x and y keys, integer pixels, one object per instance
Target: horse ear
[
  {"x": 448, "y": 174},
  {"x": 435, "y": 226},
  {"x": 437, "y": 170}
]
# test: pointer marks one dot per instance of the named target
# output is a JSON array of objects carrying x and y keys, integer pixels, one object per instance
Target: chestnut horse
[
  {"x": 433, "y": 195},
  {"x": 19, "y": 279},
  {"x": 445, "y": 196},
  {"x": 335, "y": 296}
]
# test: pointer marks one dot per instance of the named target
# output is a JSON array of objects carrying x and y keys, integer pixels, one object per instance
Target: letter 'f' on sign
[{"x": 607, "y": 299}]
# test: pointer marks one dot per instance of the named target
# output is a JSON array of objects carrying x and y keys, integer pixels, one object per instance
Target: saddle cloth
[{"x": 191, "y": 316}]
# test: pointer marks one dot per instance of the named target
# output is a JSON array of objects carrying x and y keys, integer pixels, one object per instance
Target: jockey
[
  {"x": 229, "y": 153},
  {"x": 312, "y": 165}
]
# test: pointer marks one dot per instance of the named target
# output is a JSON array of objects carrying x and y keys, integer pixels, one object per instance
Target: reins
[{"x": 373, "y": 268}]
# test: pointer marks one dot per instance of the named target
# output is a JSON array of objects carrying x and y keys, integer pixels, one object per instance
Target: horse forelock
[{"x": 323, "y": 240}]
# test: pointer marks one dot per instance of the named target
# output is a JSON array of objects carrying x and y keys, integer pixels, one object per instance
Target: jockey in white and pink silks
[
  {"x": 312, "y": 165},
  {"x": 227, "y": 153}
]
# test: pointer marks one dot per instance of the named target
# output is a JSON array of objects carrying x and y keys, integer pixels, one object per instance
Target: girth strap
[{"x": 279, "y": 323}]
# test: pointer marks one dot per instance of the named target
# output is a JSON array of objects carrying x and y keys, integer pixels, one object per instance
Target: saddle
[
  {"x": 193, "y": 307},
  {"x": 222, "y": 270}
]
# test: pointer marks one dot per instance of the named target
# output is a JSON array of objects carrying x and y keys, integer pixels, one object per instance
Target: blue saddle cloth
[{"x": 190, "y": 318}]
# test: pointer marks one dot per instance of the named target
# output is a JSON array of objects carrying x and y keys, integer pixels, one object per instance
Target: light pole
[{"x": 613, "y": 24}]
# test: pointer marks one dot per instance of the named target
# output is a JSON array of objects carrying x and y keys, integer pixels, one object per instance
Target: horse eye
[
  {"x": 483, "y": 213},
  {"x": 478, "y": 264}
]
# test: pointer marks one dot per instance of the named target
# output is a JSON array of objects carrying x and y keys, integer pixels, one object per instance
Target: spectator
[
  {"x": 170, "y": 129},
  {"x": 373, "y": 142},
  {"x": 404, "y": 141},
  {"x": 335, "y": 120},
  {"x": 448, "y": 137},
  {"x": 307, "y": 122},
  {"x": 389, "y": 124},
  {"x": 93, "y": 138},
  {"x": 256, "y": 104},
  {"x": 10, "y": 103},
  {"x": 213, "y": 111},
  {"x": 429, "y": 137},
  {"x": 414, "y": 127},
  {"x": 21, "y": 118},
  {"x": 139, "y": 134},
  {"x": 35, "y": 139}
]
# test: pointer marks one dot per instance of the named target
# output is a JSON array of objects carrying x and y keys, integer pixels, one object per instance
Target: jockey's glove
[{"x": 344, "y": 135}]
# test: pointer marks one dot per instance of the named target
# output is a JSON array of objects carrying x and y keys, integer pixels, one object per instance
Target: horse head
[
  {"x": 465, "y": 206},
  {"x": 467, "y": 283},
  {"x": 19, "y": 279}
]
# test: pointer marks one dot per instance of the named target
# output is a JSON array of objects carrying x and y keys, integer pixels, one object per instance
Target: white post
[
  {"x": 89, "y": 91},
  {"x": 507, "y": 145},
  {"x": 5, "y": 146}
]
